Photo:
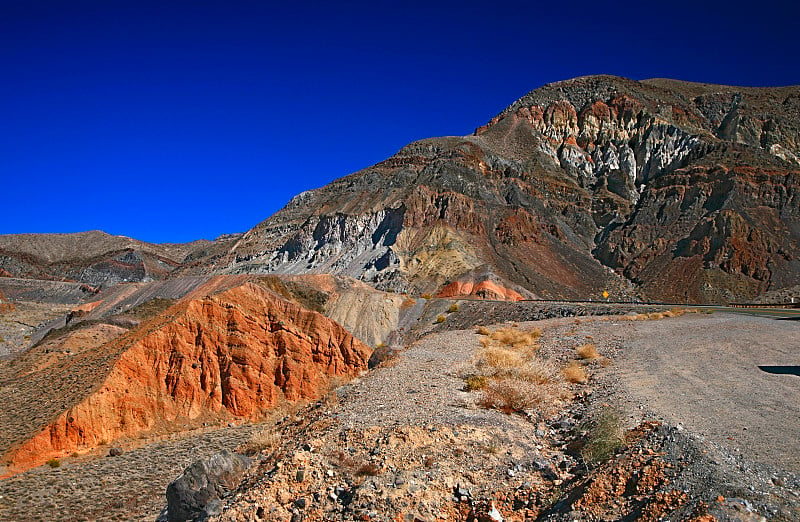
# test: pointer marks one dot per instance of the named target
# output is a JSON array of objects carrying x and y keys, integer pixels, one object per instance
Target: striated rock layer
[
  {"x": 236, "y": 354},
  {"x": 660, "y": 189}
]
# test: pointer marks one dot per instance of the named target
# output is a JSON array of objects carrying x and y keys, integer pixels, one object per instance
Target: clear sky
[{"x": 172, "y": 121}]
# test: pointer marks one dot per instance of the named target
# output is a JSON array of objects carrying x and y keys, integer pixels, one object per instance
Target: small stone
[
  {"x": 115, "y": 451},
  {"x": 300, "y": 476},
  {"x": 301, "y": 502}
]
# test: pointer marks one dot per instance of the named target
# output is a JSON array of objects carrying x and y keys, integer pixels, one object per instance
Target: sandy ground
[{"x": 703, "y": 371}]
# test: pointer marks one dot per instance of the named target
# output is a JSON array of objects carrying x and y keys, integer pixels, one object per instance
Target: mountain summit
[{"x": 660, "y": 189}]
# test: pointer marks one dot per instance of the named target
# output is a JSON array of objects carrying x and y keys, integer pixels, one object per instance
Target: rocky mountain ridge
[
  {"x": 592, "y": 183},
  {"x": 659, "y": 189}
]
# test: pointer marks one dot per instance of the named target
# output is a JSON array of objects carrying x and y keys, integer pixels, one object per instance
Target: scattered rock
[{"x": 203, "y": 482}]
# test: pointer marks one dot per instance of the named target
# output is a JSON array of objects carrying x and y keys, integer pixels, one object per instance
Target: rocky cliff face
[
  {"x": 661, "y": 188},
  {"x": 235, "y": 354}
]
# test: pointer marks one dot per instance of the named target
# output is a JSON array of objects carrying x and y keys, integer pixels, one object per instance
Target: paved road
[{"x": 703, "y": 371}]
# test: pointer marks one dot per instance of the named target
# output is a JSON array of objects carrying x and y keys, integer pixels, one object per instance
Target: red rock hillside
[{"x": 235, "y": 354}]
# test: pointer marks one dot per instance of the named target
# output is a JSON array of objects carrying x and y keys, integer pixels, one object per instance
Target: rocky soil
[
  {"x": 97, "y": 486},
  {"x": 407, "y": 442}
]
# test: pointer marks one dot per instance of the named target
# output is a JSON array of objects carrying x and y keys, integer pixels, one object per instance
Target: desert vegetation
[
  {"x": 605, "y": 434},
  {"x": 509, "y": 373}
]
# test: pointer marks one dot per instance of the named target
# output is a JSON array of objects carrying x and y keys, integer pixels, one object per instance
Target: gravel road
[{"x": 703, "y": 371}]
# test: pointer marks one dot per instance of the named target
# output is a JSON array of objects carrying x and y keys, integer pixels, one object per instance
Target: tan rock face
[{"x": 236, "y": 354}]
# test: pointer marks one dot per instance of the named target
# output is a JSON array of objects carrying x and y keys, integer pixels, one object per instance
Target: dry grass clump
[
  {"x": 441, "y": 319},
  {"x": 495, "y": 360},
  {"x": 426, "y": 296},
  {"x": 516, "y": 338},
  {"x": 516, "y": 395},
  {"x": 54, "y": 462},
  {"x": 675, "y": 312},
  {"x": 587, "y": 351},
  {"x": 511, "y": 376},
  {"x": 575, "y": 373},
  {"x": 263, "y": 441},
  {"x": 655, "y": 316},
  {"x": 453, "y": 308},
  {"x": 475, "y": 382},
  {"x": 537, "y": 371}
]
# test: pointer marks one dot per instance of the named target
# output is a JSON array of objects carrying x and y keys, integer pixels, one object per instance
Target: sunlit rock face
[{"x": 658, "y": 189}]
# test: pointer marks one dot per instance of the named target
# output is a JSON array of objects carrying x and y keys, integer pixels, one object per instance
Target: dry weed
[
  {"x": 499, "y": 361},
  {"x": 537, "y": 371},
  {"x": 440, "y": 319},
  {"x": 516, "y": 395},
  {"x": 516, "y": 338},
  {"x": 587, "y": 351},
  {"x": 263, "y": 441},
  {"x": 482, "y": 330},
  {"x": 453, "y": 308},
  {"x": 655, "y": 316},
  {"x": 475, "y": 382},
  {"x": 575, "y": 373}
]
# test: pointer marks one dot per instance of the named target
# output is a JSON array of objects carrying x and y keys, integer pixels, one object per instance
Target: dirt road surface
[{"x": 703, "y": 371}]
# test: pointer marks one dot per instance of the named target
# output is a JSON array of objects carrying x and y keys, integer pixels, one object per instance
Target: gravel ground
[
  {"x": 406, "y": 439},
  {"x": 702, "y": 371},
  {"x": 127, "y": 487}
]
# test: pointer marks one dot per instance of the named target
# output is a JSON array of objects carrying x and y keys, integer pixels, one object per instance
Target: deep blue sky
[{"x": 172, "y": 121}]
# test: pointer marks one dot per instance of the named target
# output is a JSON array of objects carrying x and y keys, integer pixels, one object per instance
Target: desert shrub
[
  {"x": 516, "y": 395},
  {"x": 655, "y": 316},
  {"x": 587, "y": 351},
  {"x": 441, "y": 319},
  {"x": 575, "y": 373},
  {"x": 453, "y": 308},
  {"x": 516, "y": 338},
  {"x": 54, "y": 462},
  {"x": 495, "y": 360},
  {"x": 475, "y": 382},
  {"x": 485, "y": 342},
  {"x": 482, "y": 330},
  {"x": 426, "y": 296},
  {"x": 263, "y": 441},
  {"x": 675, "y": 312},
  {"x": 536, "y": 371},
  {"x": 605, "y": 434}
]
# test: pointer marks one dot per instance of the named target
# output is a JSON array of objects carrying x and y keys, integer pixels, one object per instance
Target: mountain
[
  {"x": 97, "y": 258},
  {"x": 661, "y": 188}
]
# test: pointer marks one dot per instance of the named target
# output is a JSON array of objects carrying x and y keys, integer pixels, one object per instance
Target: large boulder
[{"x": 202, "y": 483}]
